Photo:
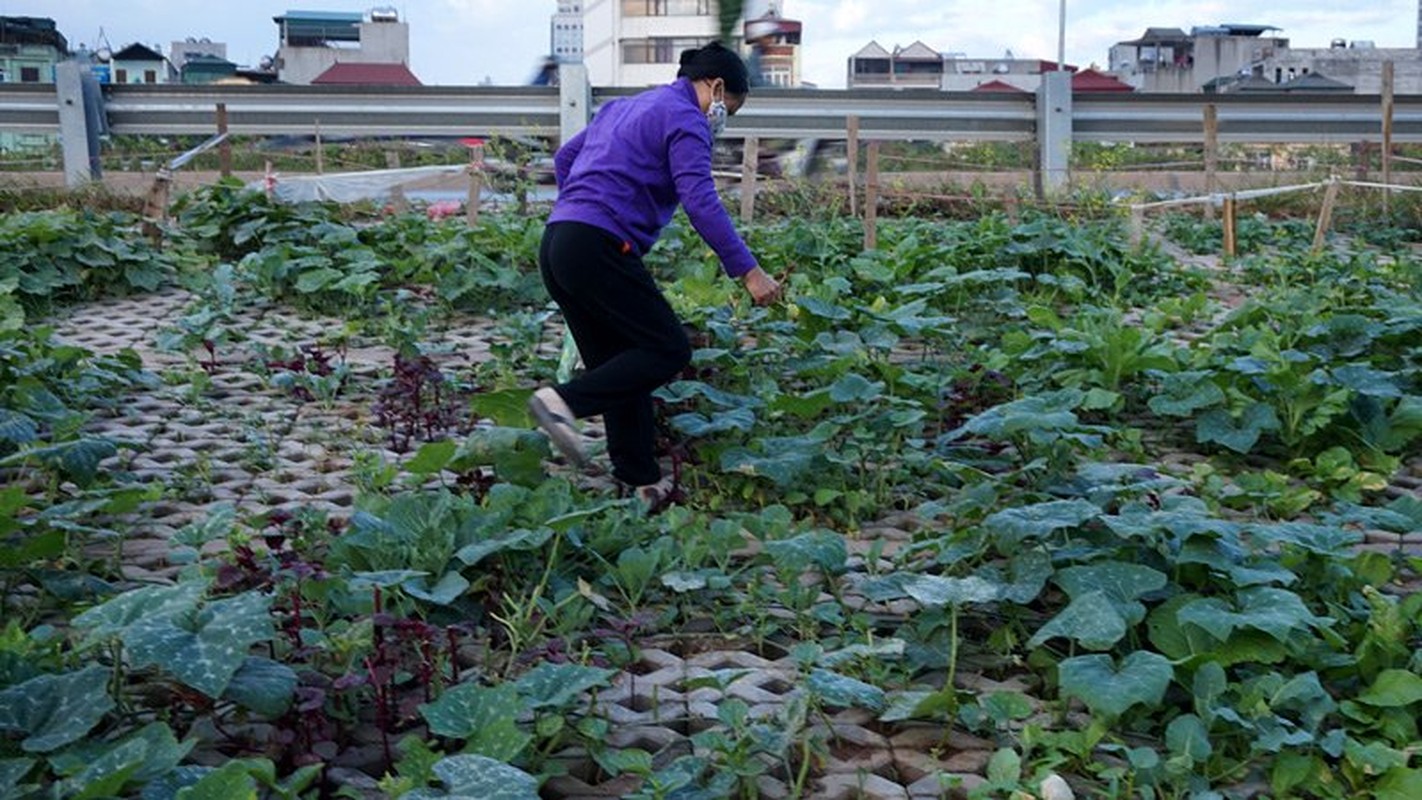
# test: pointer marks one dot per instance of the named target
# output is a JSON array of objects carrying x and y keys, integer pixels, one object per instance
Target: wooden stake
[
  {"x": 1212, "y": 155},
  {"x": 1137, "y": 225},
  {"x": 853, "y": 153},
  {"x": 399, "y": 203},
  {"x": 1229, "y": 212},
  {"x": 750, "y": 160},
  {"x": 871, "y": 199},
  {"x": 224, "y": 149},
  {"x": 476, "y": 184},
  {"x": 320, "y": 160},
  {"x": 1387, "y": 87},
  {"x": 1325, "y": 215},
  {"x": 155, "y": 206}
]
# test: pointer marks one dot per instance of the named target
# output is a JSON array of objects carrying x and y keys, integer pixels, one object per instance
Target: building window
[
  {"x": 150, "y": 76},
  {"x": 658, "y": 50},
  {"x": 120, "y": 76},
  {"x": 667, "y": 8},
  {"x": 918, "y": 67},
  {"x": 871, "y": 66},
  {"x": 29, "y": 74}
]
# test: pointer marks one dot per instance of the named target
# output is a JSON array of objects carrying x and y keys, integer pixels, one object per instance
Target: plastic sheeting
[{"x": 347, "y": 187}]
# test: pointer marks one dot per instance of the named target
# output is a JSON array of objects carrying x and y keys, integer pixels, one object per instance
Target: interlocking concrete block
[
  {"x": 857, "y": 760},
  {"x": 569, "y": 787},
  {"x": 955, "y": 786},
  {"x": 938, "y": 738},
  {"x": 850, "y": 786},
  {"x": 728, "y": 659},
  {"x": 850, "y": 734}
]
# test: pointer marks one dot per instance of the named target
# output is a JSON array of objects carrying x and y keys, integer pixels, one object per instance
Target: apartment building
[
  {"x": 565, "y": 35},
  {"x": 312, "y": 42},
  {"x": 29, "y": 49},
  {"x": 1356, "y": 64},
  {"x": 138, "y": 63},
  {"x": 1227, "y": 58},
  {"x": 638, "y": 42},
  {"x": 917, "y": 66},
  {"x": 773, "y": 49}
]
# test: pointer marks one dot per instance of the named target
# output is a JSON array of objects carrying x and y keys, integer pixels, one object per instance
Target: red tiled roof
[
  {"x": 349, "y": 73},
  {"x": 1092, "y": 81},
  {"x": 998, "y": 86}
]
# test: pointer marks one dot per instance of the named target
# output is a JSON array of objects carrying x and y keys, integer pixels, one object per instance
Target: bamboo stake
[
  {"x": 1229, "y": 213},
  {"x": 853, "y": 153},
  {"x": 1387, "y": 105},
  {"x": 750, "y": 159},
  {"x": 1325, "y": 215},
  {"x": 320, "y": 157},
  {"x": 224, "y": 149},
  {"x": 476, "y": 183},
  {"x": 1212, "y": 154},
  {"x": 871, "y": 199}
]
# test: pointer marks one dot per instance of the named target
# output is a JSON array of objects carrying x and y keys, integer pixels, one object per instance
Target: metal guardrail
[{"x": 903, "y": 114}]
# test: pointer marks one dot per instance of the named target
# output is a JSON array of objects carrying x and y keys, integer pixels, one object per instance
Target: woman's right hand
[{"x": 763, "y": 289}]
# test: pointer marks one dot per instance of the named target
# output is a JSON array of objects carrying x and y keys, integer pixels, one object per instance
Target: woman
[{"x": 619, "y": 182}]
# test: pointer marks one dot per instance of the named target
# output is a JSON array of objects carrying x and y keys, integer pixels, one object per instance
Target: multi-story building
[
  {"x": 1170, "y": 60},
  {"x": 565, "y": 33},
  {"x": 201, "y": 68},
  {"x": 962, "y": 73},
  {"x": 638, "y": 42},
  {"x": 1356, "y": 64},
  {"x": 312, "y": 42},
  {"x": 138, "y": 63},
  {"x": 1224, "y": 58},
  {"x": 917, "y": 66},
  {"x": 179, "y": 53},
  {"x": 29, "y": 49},
  {"x": 773, "y": 48}
]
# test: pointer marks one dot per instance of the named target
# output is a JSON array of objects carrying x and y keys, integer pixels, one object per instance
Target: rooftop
[{"x": 350, "y": 73}]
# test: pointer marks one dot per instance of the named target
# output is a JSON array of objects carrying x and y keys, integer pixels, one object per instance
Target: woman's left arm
[{"x": 689, "y": 153}]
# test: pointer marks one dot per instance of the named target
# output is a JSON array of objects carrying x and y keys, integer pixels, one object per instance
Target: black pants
[{"x": 630, "y": 339}]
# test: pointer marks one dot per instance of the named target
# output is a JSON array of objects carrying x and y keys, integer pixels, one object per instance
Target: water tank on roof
[
  {"x": 1362, "y": 44},
  {"x": 1337, "y": 43},
  {"x": 384, "y": 14}
]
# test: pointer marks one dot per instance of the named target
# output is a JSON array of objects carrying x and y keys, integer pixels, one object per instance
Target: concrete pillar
[
  {"x": 1054, "y": 131},
  {"x": 574, "y": 100},
  {"x": 78, "y": 133}
]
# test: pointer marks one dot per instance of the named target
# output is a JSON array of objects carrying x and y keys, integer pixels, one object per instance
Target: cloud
[{"x": 849, "y": 15}]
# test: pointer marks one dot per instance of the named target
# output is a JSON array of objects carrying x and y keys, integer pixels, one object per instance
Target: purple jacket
[{"x": 626, "y": 171}]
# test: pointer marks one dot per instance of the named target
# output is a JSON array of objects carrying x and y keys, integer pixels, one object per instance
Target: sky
[{"x": 462, "y": 42}]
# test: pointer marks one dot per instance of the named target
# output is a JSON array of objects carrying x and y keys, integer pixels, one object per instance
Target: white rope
[
  {"x": 1218, "y": 198},
  {"x": 1367, "y": 185}
]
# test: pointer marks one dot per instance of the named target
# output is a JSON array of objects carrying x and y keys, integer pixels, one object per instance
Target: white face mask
[{"x": 716, "y": 114}]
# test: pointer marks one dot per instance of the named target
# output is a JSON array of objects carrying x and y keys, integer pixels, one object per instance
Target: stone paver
[{"x": 243, "y": 442}]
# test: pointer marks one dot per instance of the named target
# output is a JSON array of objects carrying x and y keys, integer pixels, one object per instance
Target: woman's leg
[{"x": 630, "y": 340}]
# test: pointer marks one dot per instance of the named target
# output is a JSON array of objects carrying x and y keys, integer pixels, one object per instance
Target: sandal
[
  {"x": 657, "y": 496},
  {"x": 559, "y": 429}
]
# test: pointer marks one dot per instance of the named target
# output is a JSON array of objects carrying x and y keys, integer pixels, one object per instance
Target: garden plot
[{"x": 1003, "y": 506}]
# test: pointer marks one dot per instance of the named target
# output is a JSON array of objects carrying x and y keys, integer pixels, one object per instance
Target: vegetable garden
[{"x": 1006, "y": 507}]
